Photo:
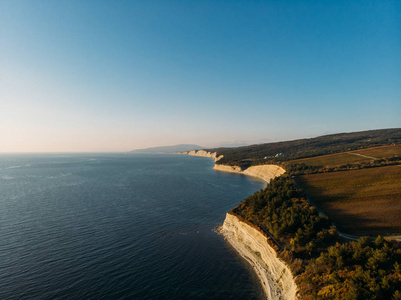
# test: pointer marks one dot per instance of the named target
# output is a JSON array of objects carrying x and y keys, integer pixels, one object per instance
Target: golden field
[
  {"x": 360, "y": 202},
  {"x": 351, "y": 157}
]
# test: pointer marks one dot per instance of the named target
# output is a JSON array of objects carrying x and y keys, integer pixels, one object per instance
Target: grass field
[
  {"x": 352, "y": 157},
  {"x": 381, "y": 152},
  {"x": 360, "y": 202}
]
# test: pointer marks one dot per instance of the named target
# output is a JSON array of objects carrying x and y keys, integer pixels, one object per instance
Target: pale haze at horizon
[{"x": 94, "y": 76}]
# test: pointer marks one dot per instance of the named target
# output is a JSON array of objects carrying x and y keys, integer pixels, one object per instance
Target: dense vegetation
[
  {"x": 355, "y": 270},
  {"x": 283, "y": 211},
  {"x": 335, "y": 143},
  {"x": 327, "y": 267}
]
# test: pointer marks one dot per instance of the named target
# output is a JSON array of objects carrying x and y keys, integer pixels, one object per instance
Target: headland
[{"x": 250, "y": 242}]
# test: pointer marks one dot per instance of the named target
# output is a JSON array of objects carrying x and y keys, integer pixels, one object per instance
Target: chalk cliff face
[
  {"x": 228, "y": 169},
  {"x": 202, "y": 153},
  {"x": 276, "y": 277},
  {"x": 264, "y": 172}
]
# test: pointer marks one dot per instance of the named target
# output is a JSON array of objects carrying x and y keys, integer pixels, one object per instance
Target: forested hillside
[
  {"x": 303, "y": 148},
  {"x": 325, "y": 266}
]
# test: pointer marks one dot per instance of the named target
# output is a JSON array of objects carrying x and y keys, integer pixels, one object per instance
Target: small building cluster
[{"x": 275, "y": 156}]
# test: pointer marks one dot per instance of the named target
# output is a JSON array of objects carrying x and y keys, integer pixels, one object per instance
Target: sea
[{"x": 119, "y": 226}]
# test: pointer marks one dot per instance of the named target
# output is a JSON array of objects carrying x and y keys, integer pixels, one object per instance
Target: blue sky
[{"x": 120, "y": 75}]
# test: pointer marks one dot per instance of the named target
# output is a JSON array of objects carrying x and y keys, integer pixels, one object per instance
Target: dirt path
[
  {"x": 356, "y": 237},
  {"x": 357, "y": 154}
]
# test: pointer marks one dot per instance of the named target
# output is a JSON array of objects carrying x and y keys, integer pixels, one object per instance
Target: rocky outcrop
[
  {"x": 202, "y": 153},
  {"x": 275, "y": 276},
  {"x": 264, "y": 172}
]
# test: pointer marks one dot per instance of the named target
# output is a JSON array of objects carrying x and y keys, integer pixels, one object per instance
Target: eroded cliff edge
[
  {"x": 263, "y": 172},
  {"x": 202, "y": 153},
  {"x": 275, "y": 276}
]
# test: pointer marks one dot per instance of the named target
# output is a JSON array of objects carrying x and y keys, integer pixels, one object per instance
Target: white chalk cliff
[
  {"x": 275, "y": 276},
  {"x": 264, "y": 172},
  {"x": 202, "y": 153}
]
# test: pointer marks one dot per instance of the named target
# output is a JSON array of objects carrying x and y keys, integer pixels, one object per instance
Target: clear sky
[{"x": 120, "y": 75}]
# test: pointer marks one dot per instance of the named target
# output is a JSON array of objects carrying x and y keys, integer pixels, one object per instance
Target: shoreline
[
  {"x": 261, "y": 172},
  {"x": 250, "y": 243}
]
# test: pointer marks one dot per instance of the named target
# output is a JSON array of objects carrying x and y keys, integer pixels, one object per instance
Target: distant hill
[
  {"x": 169, "y": 149},
  {"x": 303, "y": 148},
  {"x": 232, "y": 145}
]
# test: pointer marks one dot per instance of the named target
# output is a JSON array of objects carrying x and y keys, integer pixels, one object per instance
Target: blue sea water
[{"x": 113, "y": 226}]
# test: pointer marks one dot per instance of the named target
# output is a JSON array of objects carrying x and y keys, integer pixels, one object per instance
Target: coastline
[
  {"x": 201, "y": 153},
  {"x": 261, "y": 172},
  {"x": 274, "y": 275}
]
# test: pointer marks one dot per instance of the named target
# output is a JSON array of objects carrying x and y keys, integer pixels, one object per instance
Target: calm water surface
[{"x": 119, "y": 227}]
